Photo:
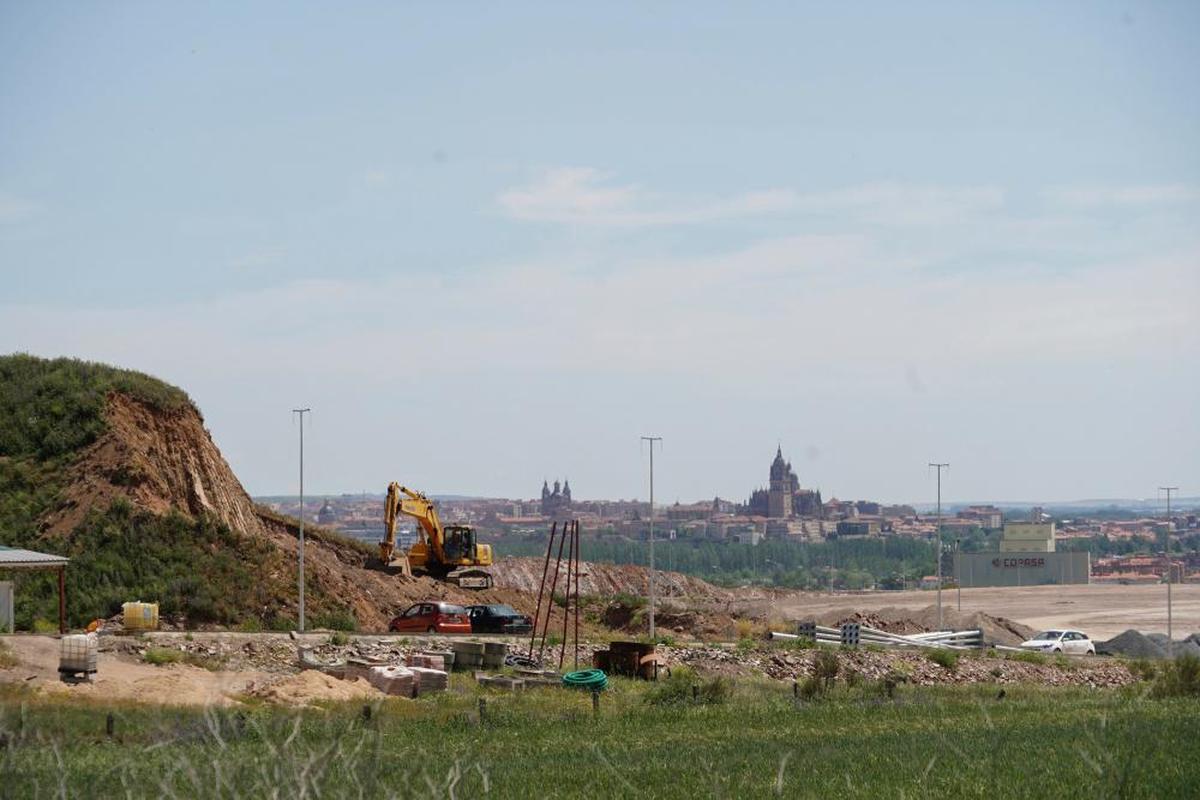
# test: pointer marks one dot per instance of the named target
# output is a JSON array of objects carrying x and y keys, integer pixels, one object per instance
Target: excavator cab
[{"x": 459, "y": 544}]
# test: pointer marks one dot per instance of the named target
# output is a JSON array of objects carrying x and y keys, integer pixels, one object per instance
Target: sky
[{"x": 492, "y": 244}]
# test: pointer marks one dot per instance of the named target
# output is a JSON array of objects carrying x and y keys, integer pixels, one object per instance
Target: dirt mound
[
  {"x": 311, "y": 687},
  {"x": 525, "y": 574},
  {"x": 1133, "y": 644}
]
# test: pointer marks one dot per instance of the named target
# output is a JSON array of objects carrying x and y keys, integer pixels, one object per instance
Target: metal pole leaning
[
  {"x": 562, "y": 650},
  {"x": 537, "y": 612},
  {"x": 553, "y": 585},
  {"x": 578, "y": 548}
]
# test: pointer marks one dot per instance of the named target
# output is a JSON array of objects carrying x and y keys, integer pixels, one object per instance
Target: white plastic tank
[{"x": 78, "y": 653}]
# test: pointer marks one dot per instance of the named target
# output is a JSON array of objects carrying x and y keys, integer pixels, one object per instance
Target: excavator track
[{"x": 470, "y": 578}]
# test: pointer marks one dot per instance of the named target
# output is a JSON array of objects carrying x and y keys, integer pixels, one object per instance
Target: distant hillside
[{"x": 115, "y": 470}]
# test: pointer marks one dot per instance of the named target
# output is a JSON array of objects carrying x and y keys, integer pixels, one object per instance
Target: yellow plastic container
[{"x": 140, "y": 616}]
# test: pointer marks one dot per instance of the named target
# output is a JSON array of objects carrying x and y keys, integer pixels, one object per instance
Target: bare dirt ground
[
  {"x": 1100, "y": 610},
  {"x": 122, "y": 678}
]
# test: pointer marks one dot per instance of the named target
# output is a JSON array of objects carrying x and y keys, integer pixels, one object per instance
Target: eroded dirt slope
[{"x": 159, "y": 460}]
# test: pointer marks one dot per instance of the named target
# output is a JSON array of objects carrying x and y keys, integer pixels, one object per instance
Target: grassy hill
[{"x": 53, "y": 415}]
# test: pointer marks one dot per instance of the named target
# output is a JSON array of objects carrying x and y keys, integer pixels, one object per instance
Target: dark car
[
  {"x": 498, "y": 618},
  {"x": 432, "y": 617}
]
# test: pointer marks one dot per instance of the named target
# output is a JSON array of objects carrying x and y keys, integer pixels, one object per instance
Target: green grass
[
  {"x": 159, "y": 656},
  {"x": 949, "y": 742}
]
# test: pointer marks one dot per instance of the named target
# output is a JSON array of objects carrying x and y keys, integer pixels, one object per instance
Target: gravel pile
[{"x": 1133, "y": 644}]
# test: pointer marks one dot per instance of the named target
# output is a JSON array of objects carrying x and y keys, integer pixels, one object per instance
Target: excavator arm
[{"x": 402, "y": 500}]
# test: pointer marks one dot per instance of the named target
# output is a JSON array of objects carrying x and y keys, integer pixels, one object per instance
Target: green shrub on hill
[
  {"x": 199, "y": 569},
  {"x": 53, "y": 407}
]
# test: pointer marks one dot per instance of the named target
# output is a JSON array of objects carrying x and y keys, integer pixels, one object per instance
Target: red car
[{"x": 432, "y": 618}]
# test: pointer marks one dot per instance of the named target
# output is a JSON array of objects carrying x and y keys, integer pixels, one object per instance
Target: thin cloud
[
  {"x": 584, "y": 196},
  {"x": 15, "y": 209},
  {"x": 587, "y": 196},
  {"x": 1122, "y": 196}
]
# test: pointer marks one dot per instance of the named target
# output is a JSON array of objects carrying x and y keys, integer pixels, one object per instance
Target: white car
[{"x": 1074, "y": 643}]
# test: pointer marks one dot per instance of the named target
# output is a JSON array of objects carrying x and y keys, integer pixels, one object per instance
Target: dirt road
[{"x": 1101, "y": 610}]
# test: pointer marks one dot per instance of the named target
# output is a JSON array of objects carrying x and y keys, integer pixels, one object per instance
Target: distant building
[
  {"x": 988, "y": 517},
  {"x": 784, "y": 499},
  {"x": 326, "y": 516},
  {"x": 857, "y": 527},
  {"x": 556, "y": 503},
  {"x": 1027, "y": 537}
]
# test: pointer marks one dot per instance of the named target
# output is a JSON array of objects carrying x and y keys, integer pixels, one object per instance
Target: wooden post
[
  {"x": 62, "y": 600},
  {"x": 595, "y": 703}
]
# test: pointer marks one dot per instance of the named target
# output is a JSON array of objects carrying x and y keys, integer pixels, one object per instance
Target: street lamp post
[
  {"x": 958, "y": 572},
  {"x": 938, "y": 551},
  {"x": 1167, "y": 551},
  {"x": 301, "y": 412},
  {"x": 652, "y": 440}
]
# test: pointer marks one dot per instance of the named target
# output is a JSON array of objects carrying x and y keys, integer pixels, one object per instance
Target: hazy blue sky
[{"x": 494, "y": 243}]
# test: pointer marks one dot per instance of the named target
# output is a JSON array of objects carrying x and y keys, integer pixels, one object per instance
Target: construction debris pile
[
  {"x": 915, "y": 667},
  {"x": 1134, "y": 644}
]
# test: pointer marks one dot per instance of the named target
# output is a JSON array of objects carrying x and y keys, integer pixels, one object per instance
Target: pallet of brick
[
  {"x": 394, "y": 680},
  {"x": 361, "y": 668},
  {"x": 426, "y": 680},
  {"x": 427, "y": 661}
]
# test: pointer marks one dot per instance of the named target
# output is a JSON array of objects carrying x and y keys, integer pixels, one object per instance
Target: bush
[
  {"x": 1028, "y": 656},
  {"x": 1143, "y": 668},
  {"x": 1064, "y": 663},
  {"x": 826, "y": 666},
  {"x": 895, "y": 676},
  {"x": 339, "y": 639},
  {"x": 339, "y": 620},
  {"x": 50, "y": 408},
  {"x": 683, "y": 685},
  {"x": 1179, "y": 677},
  {"x": 946, "y": 659},
  {"x": 744, "y": 628},
  {"x": 159, "y": 656},
  {"x": 810, "y": 687}
]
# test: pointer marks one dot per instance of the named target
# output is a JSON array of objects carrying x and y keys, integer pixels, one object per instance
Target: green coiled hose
[{"x": 592, "y": 680}]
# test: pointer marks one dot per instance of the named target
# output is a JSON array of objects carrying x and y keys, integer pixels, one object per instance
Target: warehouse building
[{"x": 1026, "y": 558}]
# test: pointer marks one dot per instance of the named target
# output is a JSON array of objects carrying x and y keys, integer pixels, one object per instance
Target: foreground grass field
[{"x": 924, "y": 743}]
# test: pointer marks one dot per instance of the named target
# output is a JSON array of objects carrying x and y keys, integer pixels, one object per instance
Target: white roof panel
[{"x": 13, "y": 557}]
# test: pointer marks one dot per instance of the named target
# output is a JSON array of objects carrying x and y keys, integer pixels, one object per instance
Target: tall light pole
[
  {"x": 652, "y": 440},
  {"x": 940, "y": 467},
  {"x": 1167, "y": 550},
  {"x": 301, "y": 412},
  {"x": 958, "y": 572}
]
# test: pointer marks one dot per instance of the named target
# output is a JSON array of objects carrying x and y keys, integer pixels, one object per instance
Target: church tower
[{"x": 782, "y": 489}]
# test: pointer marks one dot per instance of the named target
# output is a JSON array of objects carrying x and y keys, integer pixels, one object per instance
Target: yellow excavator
[{"x": 449, "y": 553}]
